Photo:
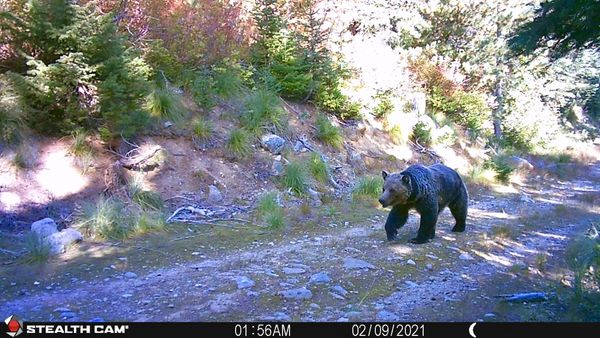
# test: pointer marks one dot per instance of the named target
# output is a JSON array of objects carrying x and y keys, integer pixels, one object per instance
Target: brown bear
[{"x": 428, "y": 190}]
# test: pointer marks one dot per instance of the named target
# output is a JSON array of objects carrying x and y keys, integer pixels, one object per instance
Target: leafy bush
[
  {"x": 500, "y": 164},
  {"x": 79, "y": 72},
  {"x": 517, "y": 137},
  {"x": 385, "y": 105},
  {"x": 367, "y": 187},
  {"x": 238, "y": 144},
  {"x": 295, "y": 177},
  {"x": 422, "y": 133},
  {"x": 328, "y": 133}
]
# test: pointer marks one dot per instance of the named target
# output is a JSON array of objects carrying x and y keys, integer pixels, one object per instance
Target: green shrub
[
  {"x": 202, "y": 88},
  {"x": 385, "y": 105},
  {"x": 397, "y": 135},
  {"x": 500, "y": 164},
  {"x": 328, "y": 133},
  {"x": 369, "y": 187},
  {"x": 37, "y": 250},
  {"x": 295, "y": 178},
  {"x": 79, "y": 72},
  {"x": 318, "y": 168},
  {"x": 148, "y": 221},
  {"x": 422, "y": 134},
  {"x": 238, "y": 144},
  {"x": 583, "y": 256},
  {"x": 227, "y": 81},
  {"x": 203, "y": 129}
]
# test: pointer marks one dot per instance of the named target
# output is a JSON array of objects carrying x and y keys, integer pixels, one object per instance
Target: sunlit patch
[
  {"x": 9, "y": 200},
  {"x": 401, "y": 249},
  {"x": 448, "y": 238},
  {"x": 59, "y": 175},
  {"x": 451, "y": 159},
  {"x": 493, "y": 258},
  {"x": 553, "y": 236},
  {"x": 504, "y": 189},
  {"x": 491, "y": 214}
]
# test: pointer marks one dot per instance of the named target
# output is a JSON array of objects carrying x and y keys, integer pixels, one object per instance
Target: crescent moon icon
[{"x": 472, "y": 330}]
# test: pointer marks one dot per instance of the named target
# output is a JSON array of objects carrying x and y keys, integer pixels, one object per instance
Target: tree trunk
[{"x": 497, "y": 112}]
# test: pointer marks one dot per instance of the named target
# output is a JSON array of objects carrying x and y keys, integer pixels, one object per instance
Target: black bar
[{"x": 317, "y": 330}]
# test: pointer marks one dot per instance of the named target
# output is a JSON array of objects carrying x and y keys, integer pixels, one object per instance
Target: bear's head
[{"x": 396, "y": 189}]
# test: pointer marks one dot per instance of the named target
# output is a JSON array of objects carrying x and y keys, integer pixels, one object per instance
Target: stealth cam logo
[{"x": 15, "y": 326}]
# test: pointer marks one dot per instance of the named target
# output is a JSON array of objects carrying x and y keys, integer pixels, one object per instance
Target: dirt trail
[{"x": 346, "y": 271}]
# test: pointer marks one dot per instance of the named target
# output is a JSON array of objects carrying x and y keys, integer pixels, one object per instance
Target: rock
[
  {"x": 278, "y": 316},
  {"x": 354, "y": 263},
  {"x": 67, "y": 315},
  {"x": 526, "y": 199},
  {"x": 314, "y": 306},
  {"x": 411, "y": 262},
  {"x": 489, "y": 315},
  {"x": 320, "y": 278},
  {"x": 273, "y": 143},
  {"x": 214, "y": 194},
  {"x": 97, "y": 320},
  {"x": 44, "y": 227},
  {"x": 387, "y": 316},
  {"x": 293, "y": 271},
  {"x": 299, "y": 147},
  {"x": 336, "y": 296},
  {"x": 429, "y": 266},
  {"x": 59, "y": 241},
  {"x": 130, "y": 274},
  {"x": 301, "y": 293},
  {"x": 315, "y": 197},
  {"x": 244, "y": 282},
  {"x": 465, "y": 256},
  {"x": 519, "y": 163},
  {"x": 411, "y": 283},
  {"x": 168, "y": 124},
  {"x": 276, "y": 168},
  {"x": 343, "y": 320},
  {"x": 62, "y": 309},
  {"x": 339, "y": 290},
  {"x": 356, "y": 161}
]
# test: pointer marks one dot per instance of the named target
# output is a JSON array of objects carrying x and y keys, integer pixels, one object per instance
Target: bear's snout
[{"x": 382, "y": 201}]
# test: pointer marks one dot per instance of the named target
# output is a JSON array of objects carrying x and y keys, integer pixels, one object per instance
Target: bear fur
[{"x": 428, "y": 190}]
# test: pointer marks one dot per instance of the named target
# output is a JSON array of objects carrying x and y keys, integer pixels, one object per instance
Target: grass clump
[
  {"x": 238, "y": 144},
  {"x": 263, "y": 110},
  {"x": 328, "y": 133},
  {"x": 504, "y": 232},
  {"x": 165, "y": 104},
  {"x": 295, "y": 178},
  {"x": 318, "y": 168},
  {"x": 367, "y": 187},
  {"x": 146, "y": 199},
  {"x": 37, "y": 249},
  {"x": 269, "y": 211},
  {"x": 108, "y": 218},
  {"x": 203, "y": 129}
]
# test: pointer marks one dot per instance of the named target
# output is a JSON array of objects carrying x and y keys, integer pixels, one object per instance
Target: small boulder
[
  {"x": 519, "y": 163},
  {"x": 44, "y": 227},
  {"x": 214, "y": 194},
  {"x": 273, "y": 143},
  {"x": 301, "y": 293},
  {"x": 59, "y": 241},
  {"x": 353, "y": 264},
  {"x": 319, "y": 278}
]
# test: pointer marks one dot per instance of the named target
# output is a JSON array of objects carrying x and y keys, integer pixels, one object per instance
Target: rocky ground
[{"x": 332, "y": 265}]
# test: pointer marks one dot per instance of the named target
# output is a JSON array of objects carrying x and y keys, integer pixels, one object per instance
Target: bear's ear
[
  {"x": 384, "y": 174},
  {"x": 405, "y": 179}
]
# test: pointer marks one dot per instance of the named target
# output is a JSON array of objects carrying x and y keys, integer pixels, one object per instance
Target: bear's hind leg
[{"x": 458, "y": 208}]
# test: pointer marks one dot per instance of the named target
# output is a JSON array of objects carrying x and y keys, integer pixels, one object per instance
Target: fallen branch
[
  {"x": 13, "y": 253},
  {"x": 424, "y": 150},
  {"x": 524, "y": 297},
  {"x": 138, "y": 160}
]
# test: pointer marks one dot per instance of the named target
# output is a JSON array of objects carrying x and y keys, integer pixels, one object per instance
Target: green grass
[
  {"x": 37, "y": 250},
  {"x": 82, "y": 150},
  {"x": 145, "y": 199},
  {"x": 23, "y": 158},
  {"x": 500, "y": 164},
  {"x": 227, "y": 82},
  {"x": 295, "y": 177},
  {"x": 163, "y": 103},
  {"x": 149, "y": 221},
  {"x": 263, "y": 110},
  {"x": 481, "y": 175},
  {"x": 270, "y": 211},
  {"x": 318, "y": 168},
  {"x": 328, "y": 133},
  {"x": 397, "y": 135},
  {"x": 367, "y": 187},
  {"x": 503, "y": 231},
  {"x": 203, "y": 129},
  {"x": 12, "y": 123},
  {"x": 108, "y": 218},
  {"x": 238, "y": 144}
]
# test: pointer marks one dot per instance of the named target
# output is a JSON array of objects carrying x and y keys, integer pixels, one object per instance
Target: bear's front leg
[
  {"x": 426, "y": 231},
  {"x": 396, "y": 219}
]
